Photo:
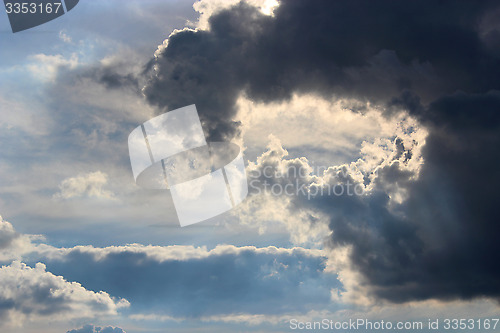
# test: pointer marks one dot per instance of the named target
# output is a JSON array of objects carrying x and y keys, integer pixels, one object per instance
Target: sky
[{"x": 369, "y": 132}]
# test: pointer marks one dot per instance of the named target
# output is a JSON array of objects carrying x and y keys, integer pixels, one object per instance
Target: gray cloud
[
  {"x": 188, "y": 282},
  {"x": 14, "y": 245},
  {"x": 178, "y": 281},
  {"x": 97, "y": 329},
  {"x": 333, "y": 48},
  {"x": 438, "y": 61},
  {"x": 34, "y": 293},
  {"x": 431, "y": 59},
  {"x": 7, "y": 234}
]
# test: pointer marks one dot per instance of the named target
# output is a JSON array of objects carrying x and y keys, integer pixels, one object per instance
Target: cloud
[
  {"x": 305, "y": 47},
  {"x": 14, "y": 245},
  {"x": 392, "y": 235},
  {"x": 413, "y": 235},
  {"x": 278, "y": 181},
  {"x": 343, "y": 128},
  {"x": 412, "y": 311},
  {"x": 184, "y": 281},
  {"x": 7, "y": 233},
  {"x": 177, "y": 281},
  {"x": 425, "y": 225},
  {"x": 33, "y": 293},
  {"x": 85, "y": 185},
  {"x": 45, "y": 67},
  {"x": 208, "y": 8},
  {"x": 409, "y": 217},
  {"x": 97, "y": 329},
  {"x": 64, "y": 37},
  {"x": 161, "y": 279},
  {"x": 453, "y": 204},
  {"x": 181, "y": 76}
]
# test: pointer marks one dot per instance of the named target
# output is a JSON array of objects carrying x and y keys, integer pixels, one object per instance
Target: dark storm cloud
[
  {"x": 439, "y": 60},
  {"x": 114, "y": 80},
  {"x": 218, "y": 284},
  {"x": 112, "y": 76},
  {"x": 370, "y": 50},
  {"x": 441, "y": 241}
]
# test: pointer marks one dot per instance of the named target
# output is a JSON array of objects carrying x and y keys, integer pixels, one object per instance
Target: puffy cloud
[
  {"x": 64, "y": 37},
  {"x": 33, "y": 293},
  {"x": 175, "y": 281},
  {"x": 45, "y": 67},
  {"x": 278, "y": 182},
  {"x": 304, "y": 47},
  {"x": 97, "y": 329},
  {"x": 14, "y": 245},
  {"x": 85, "y": 185},
  {"x": 21, "y": 117},
  {"x": 393, "y": 236},
  {"x": 208, "y": 8},
  {"x": 7, "y": 233},
  {"x": 408, "y": 237},
  {"x": 169, "y": 253},
  {"x": 184, "y": 281}
]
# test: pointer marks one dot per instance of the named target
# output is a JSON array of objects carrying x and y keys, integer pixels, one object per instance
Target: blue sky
[{"x": 83, "y": 249}]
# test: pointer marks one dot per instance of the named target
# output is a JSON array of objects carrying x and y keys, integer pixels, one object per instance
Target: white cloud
[
  {"x": 208, "y": 8},
  {"x": 35, "y": 294},
  {"x": 85, "y": 185},
  {"x": 293, "y": 273},
  {"x": 7, "y": 233},
  {"x": 327, "y": 132},
  {"x": 14, "y": 245},
  {"x": 45, "y": 67},
  {"x": 380, "y": 143},
  {"x": 17, "y": 113},
  {"x": 174, "y": 252},
  {"x": 272, "y": 215},
  {"x": 64, "y": 37}
]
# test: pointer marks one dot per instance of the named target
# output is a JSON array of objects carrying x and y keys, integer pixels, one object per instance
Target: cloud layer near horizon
[{"x": 177, "y": 281}]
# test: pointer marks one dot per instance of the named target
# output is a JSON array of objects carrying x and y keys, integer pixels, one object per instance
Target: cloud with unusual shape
[
  {"x": 442, "y": 72},
  {"x": 247, "y": 51}
]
